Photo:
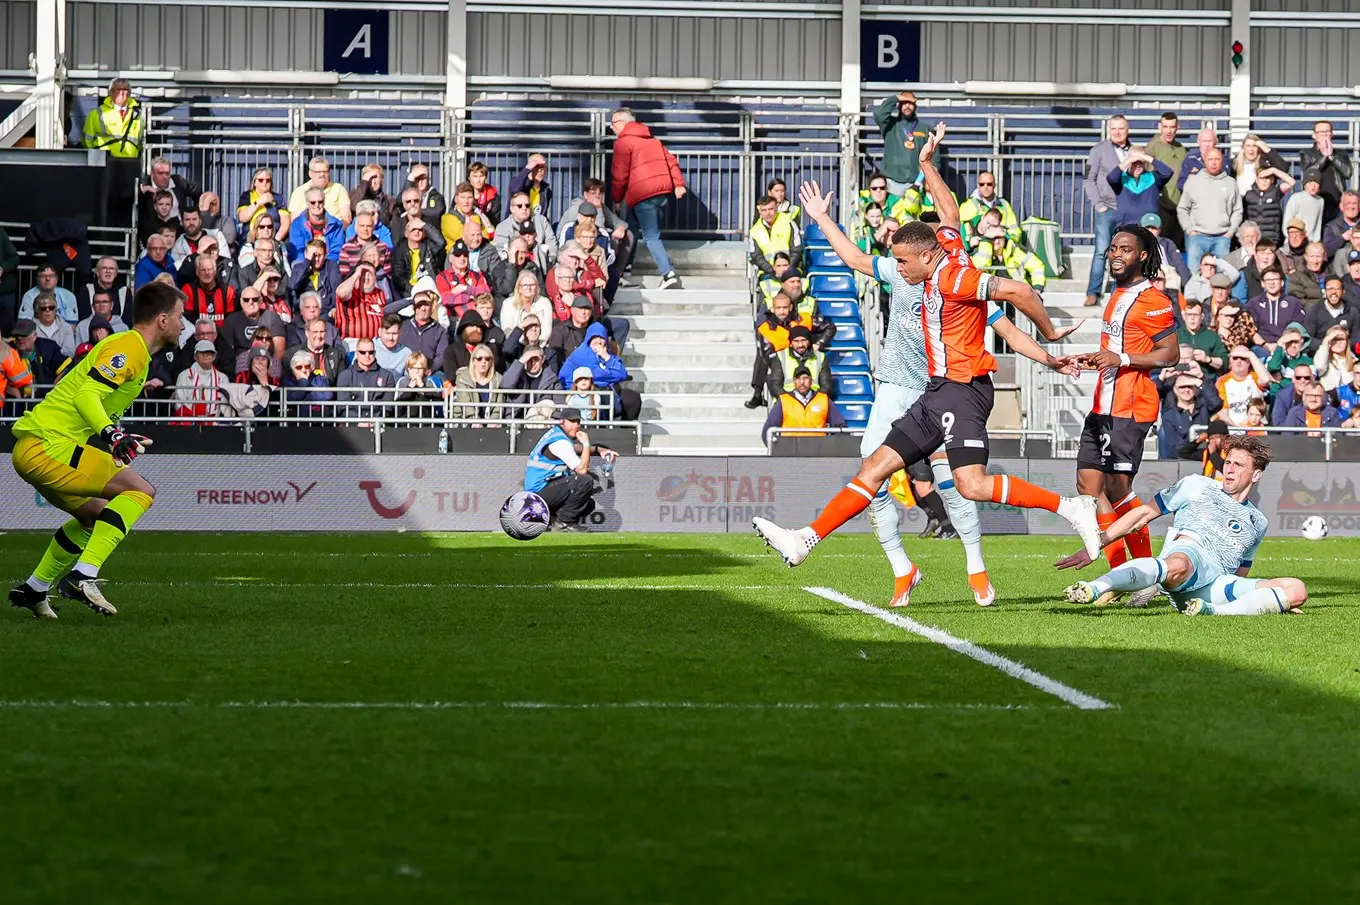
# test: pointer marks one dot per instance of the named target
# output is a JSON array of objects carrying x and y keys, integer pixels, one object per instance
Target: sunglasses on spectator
[
  {"x": 47, "y": 307},
  {"x": 520, "y": 204},
  {"x": 879, "y": 188},
  {"x": 983, "y": 184},
  {"x": 482, "y": 358},
  {"x": 251, "y": 298},
  {"x": 316, "y": 203},
  {"x": 363, "y": 352},
  {"x": 301, "y": 367}
]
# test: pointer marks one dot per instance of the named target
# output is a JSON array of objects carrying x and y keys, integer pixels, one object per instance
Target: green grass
[{"x": 1226, "y": 773}]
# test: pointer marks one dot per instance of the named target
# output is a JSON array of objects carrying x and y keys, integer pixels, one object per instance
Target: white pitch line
[
  {"x": 501, "y": 705},
  {"x": 270, "y": 584},
  {"x": 1011, "y": 668}
]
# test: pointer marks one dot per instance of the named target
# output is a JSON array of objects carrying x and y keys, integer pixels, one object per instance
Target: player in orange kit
[
  {"x": 954, "y": 409},
  {"x": 1138, "y": 335}
]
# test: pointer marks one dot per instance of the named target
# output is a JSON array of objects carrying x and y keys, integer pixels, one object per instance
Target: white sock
[
  {"x": 37, "y": 585},
  {"x": 85, "y": 570},
  {"x": 1134, "y": 575},
  {"x": 964, "y": 515},
  {"x": 1259, "y": 602},
  {"x": 885, "y": 519}
]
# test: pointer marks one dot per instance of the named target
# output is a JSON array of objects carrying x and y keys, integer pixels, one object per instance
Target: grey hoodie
[{"x": 1210, "y": 205}]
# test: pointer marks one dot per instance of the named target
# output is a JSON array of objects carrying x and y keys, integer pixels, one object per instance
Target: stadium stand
[{"x": 686, "y": 351}]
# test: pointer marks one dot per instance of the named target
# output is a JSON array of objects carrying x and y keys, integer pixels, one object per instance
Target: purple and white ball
[{"x": 524, "y": 516}]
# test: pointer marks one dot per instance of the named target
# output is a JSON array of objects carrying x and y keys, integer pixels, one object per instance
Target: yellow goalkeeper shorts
[{"x": 67, "y": 474}]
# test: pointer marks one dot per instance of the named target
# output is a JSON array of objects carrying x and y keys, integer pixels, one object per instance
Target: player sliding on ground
[
  {"x": 1209, "y": 550},
  {"x": 957, "y": 401},
  {"x": 103, "y": 496},
  {"x": 1138, "y": 335},
  {"x": 901, "y": 380}
]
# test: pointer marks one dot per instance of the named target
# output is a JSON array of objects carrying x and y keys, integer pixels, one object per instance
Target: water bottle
[
  {"x": 444, "y": 440},
  {"x": 608, "y": 467}
]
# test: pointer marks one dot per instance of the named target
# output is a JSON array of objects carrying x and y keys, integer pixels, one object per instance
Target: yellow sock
[
  {"x": 112, "y": 525},
  {"x": 67, "y": 543}
]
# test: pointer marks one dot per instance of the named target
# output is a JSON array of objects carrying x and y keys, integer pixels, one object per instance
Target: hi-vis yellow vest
[
  {"x": 107, "y": 130},
  {"x": 796, "y": 414},
  {"x": 773, "y": 239},
  {"x": 790, "y": 363}
]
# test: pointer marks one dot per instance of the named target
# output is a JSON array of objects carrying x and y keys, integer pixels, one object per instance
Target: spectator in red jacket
[
  {"x": 458, "y": 283},
  {"x": 644, "y": 175},
  {"x": 488, "y": 200}
]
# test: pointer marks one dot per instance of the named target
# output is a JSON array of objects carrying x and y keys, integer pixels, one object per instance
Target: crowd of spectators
[
  {"x": 1268, "y": 318},
  {"x": 481, "y": 304}
]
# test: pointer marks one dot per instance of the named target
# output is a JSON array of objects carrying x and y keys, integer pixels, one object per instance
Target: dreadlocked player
[{"x": 1138, "y": 335}]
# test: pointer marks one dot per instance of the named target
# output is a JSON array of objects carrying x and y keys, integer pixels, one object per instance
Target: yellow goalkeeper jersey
[{"x": 93, "y": 394}]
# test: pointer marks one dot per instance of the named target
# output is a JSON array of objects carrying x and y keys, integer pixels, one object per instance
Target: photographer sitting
[{"x": 559, "y": 471}]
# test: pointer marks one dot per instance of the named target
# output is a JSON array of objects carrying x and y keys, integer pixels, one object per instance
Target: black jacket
[
  {"x": 1267, "y": 209},
  {"x": 186, "y": 194},
  {"x": 1317, "y": 320},
  {"x": 332, "y": 361},
  {"x": 431, "y": 263},
  {"x": 1335, "y": 170}
]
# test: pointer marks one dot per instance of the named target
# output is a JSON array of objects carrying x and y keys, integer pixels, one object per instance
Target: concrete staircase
[{"x": 691, "y": 350}]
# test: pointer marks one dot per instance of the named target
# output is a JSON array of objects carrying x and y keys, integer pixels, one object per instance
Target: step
[
  {"x": 715, "y": 402},
  {"x": 722, "y": 356},
  {"x": 700, "y": 279},
  {"x": 691, "y": 254},
  {"x": 695, "y": 415},
  {"x": 698, "y": 384},
  {"x": 660, "y": 373},
  {"x": 688, "y": 302}
]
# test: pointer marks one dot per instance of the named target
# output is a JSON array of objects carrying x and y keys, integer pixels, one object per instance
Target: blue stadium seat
[
  {"x": 849, "y": 360},
  {"x": 824, "y": 260},
  {"x": 848, "y": 336},
  {"x": 837, "y": 310},
  {"x": 856, "y": 413},
  {"x": 813, "y": 235},
  {"x": 855, "y": 386},
  {"x": 834, "y": 286}
]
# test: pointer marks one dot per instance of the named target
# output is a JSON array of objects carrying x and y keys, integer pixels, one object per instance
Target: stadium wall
[
  {"x": 505, "y": 46},
  {"x": 681, "y": 494}
]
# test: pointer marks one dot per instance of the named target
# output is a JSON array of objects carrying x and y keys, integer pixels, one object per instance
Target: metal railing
[
  {"x": 105, "y": 241},
  {"x": 1024, "y": 435}
]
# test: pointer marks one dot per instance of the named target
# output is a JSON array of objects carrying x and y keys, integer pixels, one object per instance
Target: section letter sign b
[
  {"x": 356, "y": 41},
  {"x": 889, "y": 51}
]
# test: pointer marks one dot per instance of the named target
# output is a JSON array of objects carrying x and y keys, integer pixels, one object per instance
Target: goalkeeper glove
[{"x": 124, "y": 446}]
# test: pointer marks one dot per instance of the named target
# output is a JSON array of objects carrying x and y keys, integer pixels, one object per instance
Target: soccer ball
[
  {"x": 524, "y": 516},
  {"x": 1314, "y": 528}
]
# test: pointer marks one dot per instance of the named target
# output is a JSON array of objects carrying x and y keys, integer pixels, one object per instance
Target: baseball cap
[
  {"x": 85, "y": 348},
  {"x": 527, "y": 227},
  {"x": 1152, "y": 220},
  {"x": 206, "y": 345},
  {"x": 24, "y": 327},
  {"x": 425, "y": 284},
  {"x": 257, "y": 352},
  {"x": 581, "y": 301},
  {"x": 801, "y": 371},
  {"x": 1352, "y": 256},
  {"x": 587, "y": 209},
  {"x": 582, "y": 372},
  {"x": 1217, "y": 427},
  {"x": 568, "y": 414},
  {"x": 458, "y": 248},
  {"x": 1220, "y": 281},
  {"x": 1298, "y": 224},
  {"x": 1312, "y": 174}
]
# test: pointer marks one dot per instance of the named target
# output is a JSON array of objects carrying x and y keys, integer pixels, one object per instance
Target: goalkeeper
[{"x": 104, "y": 497}]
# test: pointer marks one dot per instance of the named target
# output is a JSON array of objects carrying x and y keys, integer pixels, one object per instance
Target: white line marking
[
  {"x": 1011, "y": 668},
  {"x": 502, "y": 705},
  {"x": 568, "y": 585}
]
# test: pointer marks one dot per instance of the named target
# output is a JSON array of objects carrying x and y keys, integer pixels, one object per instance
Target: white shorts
[{"x": 890, "y": 403}]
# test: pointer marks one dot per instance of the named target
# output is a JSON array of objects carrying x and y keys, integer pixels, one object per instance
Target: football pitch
[{"x": 660, "y": 718}]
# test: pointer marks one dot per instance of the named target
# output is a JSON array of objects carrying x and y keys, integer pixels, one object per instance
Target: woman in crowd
[
  {"x": 418, "y": 390},
  {"x": 477, "y": 387},
  {"x": 1334, "y": 362},
  {"x": 527, "y": 299},
  {"x": 306, "y": 385}
]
